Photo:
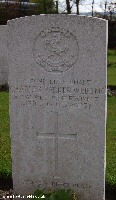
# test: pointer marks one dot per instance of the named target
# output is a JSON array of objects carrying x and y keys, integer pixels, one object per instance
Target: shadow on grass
[
  {"x": 6, "y": 183},
  {"x": 110, "y": 192},
  {"x": 4, "y": 88}
]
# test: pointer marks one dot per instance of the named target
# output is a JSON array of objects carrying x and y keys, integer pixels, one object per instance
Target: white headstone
[{"x": 58, "y": 103}]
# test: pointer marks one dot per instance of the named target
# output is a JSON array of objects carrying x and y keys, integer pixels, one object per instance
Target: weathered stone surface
[
  {"x": 3, "y": 55},
  {"x": 58, "y": 103}
]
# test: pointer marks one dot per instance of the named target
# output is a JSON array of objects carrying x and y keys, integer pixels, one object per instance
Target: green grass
[
  {"x": 5, "y": 143},
  {"x": 111, "y": 142},
  {"x": 112, "y": 56},
  {"x": 112, "y": 67},
  {"x": 5, "y": 148},
  {"x": 112, "y": 75},
  {"x": 60, "y": 194}
]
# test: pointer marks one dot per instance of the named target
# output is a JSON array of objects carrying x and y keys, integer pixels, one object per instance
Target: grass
[
  {"x": 112, "y": 56},
  {"x": 112, "y": 67},
  {"x": 111, "y": 142},
  {"x": 5, "y": 148},
  {"x": 60, "y": 194}
]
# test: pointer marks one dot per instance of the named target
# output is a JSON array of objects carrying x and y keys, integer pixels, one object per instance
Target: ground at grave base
[
  {"x": 6, "y": 189},
  {"x": 10, "y": 192}
]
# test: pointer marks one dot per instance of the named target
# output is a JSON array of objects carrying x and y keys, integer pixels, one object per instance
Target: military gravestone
[{"x": 57, "y": 69}]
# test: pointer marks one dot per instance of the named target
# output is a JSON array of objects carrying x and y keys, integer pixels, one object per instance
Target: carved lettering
[
  {"x": 56, "y": 184},
  {"x": 60, "y": 95}
]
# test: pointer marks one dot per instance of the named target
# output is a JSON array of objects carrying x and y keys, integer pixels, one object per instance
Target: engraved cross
[{"x": 57, "y": 135}]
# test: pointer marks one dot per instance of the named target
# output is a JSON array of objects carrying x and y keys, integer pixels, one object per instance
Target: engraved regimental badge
[{"x": 55, "y": 50}]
